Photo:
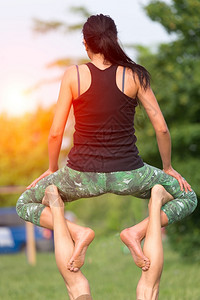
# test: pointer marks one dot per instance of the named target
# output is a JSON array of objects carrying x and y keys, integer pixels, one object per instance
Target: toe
[
  {"x": 76, "y": 269},
  {"x": 69, "y": 264}
]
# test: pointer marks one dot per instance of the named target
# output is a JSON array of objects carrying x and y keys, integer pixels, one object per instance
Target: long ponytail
[{"x": 100, "y": 34}]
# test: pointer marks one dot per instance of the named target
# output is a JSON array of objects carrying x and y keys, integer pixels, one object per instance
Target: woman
[{"x": 104, "y": 158}]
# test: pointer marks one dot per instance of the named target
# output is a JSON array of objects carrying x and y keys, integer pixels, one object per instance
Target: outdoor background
[{"x": 38, "y": 40}]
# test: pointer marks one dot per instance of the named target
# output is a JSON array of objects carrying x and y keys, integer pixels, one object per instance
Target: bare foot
[
  {"x": 132, "y": 240},
  {"x": 52, "y": 197},
  {"x": 131, "y": 237},
  {"x": 84, "y": 237}
]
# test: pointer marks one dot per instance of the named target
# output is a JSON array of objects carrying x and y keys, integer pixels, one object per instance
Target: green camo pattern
[{"x": 73, "y": 185}]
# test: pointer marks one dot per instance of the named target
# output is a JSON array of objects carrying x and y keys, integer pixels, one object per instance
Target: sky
[{"x": 25, "y": 54}]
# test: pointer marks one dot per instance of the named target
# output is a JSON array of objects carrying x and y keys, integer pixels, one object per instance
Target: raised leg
[
  {"x": 76, "y": 283},
  {"x": 148, "y": 286},
  {"x": 82, "y": 237},
  {"x": 30, "y": 208},
  {"x": 177, "y": 209},
  {"x": 133, "y": 236}
]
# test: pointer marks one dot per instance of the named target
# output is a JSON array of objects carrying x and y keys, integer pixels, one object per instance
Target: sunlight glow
[{"x": 14, "y": 100}]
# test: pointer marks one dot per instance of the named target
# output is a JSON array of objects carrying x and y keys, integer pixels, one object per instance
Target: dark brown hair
[{"x": 100, "y": 34}]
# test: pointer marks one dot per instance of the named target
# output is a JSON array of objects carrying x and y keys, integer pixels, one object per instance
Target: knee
[
  {"x": 193, "y": 201},
  {"x": 84, "y": 297},
  {"x": 20, "y": 205}
]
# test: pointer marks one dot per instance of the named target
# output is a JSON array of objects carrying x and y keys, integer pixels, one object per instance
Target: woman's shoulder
[
  {"x": 128, "y": 72},
  {"x": 69, "y": 71},
  {"x": 72, "y": 70}
]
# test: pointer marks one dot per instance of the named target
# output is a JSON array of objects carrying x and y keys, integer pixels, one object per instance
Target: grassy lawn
[{"x": 109, "y": 269}]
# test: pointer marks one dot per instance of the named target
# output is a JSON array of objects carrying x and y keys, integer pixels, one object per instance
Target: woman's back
[
  {"x": 104, "y": 139},
  {"x": 130, "y": 86}
]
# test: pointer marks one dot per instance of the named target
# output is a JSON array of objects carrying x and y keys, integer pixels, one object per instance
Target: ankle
[
  {"x": 134, "y": 232},
  {"x": 57, "y": 212},
  {"x": 155, "y": 202}
]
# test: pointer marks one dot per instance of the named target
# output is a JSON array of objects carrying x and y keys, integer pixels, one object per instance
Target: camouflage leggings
[{"x": 73, "y": 184}]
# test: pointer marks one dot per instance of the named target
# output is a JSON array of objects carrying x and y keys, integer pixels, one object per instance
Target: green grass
[{"x": 110, "y": 271}]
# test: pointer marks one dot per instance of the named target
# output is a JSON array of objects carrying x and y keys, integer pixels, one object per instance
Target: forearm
[
  {"x": 164, "y": 146},
  {"x": 54, "y": 145}
]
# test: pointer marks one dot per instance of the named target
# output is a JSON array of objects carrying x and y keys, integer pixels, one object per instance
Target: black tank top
[{"x": 104, "y": 139}]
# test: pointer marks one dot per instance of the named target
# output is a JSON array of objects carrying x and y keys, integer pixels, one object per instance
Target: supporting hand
[
  {"x": 183, "y": 183},
  {"x": 45, "y": 174}
]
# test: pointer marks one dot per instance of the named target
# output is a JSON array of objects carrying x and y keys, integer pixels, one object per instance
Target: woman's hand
[
  {"x": 45, "y": 174},
  {"x": 182, "y": 182}
]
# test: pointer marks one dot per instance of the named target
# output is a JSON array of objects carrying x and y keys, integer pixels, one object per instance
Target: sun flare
[{"x": 14, "y": 100}]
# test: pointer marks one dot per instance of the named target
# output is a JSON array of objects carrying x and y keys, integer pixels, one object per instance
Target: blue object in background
[{"x": 13, "y": 233}]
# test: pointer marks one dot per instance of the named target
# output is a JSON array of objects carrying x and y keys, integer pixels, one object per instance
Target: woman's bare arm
[
  {"x": 150, "y": 104},
  {"x": 57, "y": 129},
  {"x": 60, "y": 118},
  {"x": 155, "y": 115}
]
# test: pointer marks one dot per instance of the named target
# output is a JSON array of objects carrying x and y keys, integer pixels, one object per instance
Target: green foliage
[
  {"x": 41, "y": 26},
  {"x": 175, "y": 71},
  {"x": 7, "y": 200},
  {"x": 46, "y": 26},
  {"x": 181, "y": 17},
  {"x": 64, "y": 62},
  {"x": 109, "y": 213},
  {"x": 185, "y": 236}
]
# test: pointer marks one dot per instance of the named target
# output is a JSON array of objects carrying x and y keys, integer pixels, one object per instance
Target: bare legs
[
  {"x": 133, "y": 236},
  {"x": 82, "y": 237},
  {"x": 77, "y": 285},
  {"x": 148, "y": 286}
]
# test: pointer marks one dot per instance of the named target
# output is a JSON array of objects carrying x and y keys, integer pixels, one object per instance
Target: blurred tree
[
  {"x": 41, "y": 26},
  {"x": 175, "y": 71},
  {"x": 23, "y": 143}
]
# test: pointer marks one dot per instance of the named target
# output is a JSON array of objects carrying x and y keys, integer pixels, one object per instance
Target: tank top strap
[
  {"x": 78, "y": 77},
  {"x": 123, "y": 79}
]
